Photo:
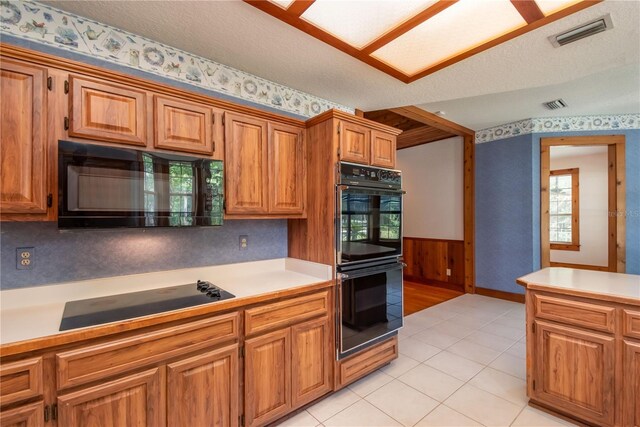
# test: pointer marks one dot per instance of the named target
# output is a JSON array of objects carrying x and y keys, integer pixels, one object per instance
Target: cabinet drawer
[
  {"x": 577, "y": 313},
  {"x": 361, "y": 364},
  {"x": 631, "y": 323},
  {"x": 20, "y": 380},
  {"x": 113, "y": 357},
  {"x": 285, "y": 313}
]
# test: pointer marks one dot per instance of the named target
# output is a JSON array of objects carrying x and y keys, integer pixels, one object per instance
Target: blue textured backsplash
[{"x": 62, "y": 256}]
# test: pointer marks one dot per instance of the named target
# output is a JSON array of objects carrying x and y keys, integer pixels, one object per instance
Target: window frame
[{"x": 575, "y": 211}]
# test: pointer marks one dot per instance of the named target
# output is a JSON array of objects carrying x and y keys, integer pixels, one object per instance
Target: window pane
[
  {"x": 564, "y": 222},
  {"x": 553, "y": 207},
  {"x": 564, "y": 207},
  {"x": 564, "y": 181},
  {"x": 564, "y": 236},
  {"x": 554, "y": 236}
]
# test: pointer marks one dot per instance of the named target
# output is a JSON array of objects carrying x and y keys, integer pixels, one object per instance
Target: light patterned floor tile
[
  {"x": 432, "y": 382},
  {"x": 443, "y": 416},
  {"x": 417, "y": 349},
  {"x": 519, "y": 349},
  {"x": 435, "y": 338},
  {"x": 454, "y": 365},
  {"x": 361, "y": 414},
  {"x": 531, "y": 417},
  {"x": 303, "y": 419},
  {"x": 401, "y": 402},
  {"x": 502, "y": 385},
  {"x": 333, "y": 404},
  {"x": 449, "y": 327},
  {"x": 510, "y": 332},
  {"x": 492, "y": 341},
  {"x": 512, "y": 365},
  {"x": 370, "y": 383},
  {"x": 472, "y": 351},
  {"x": 482, "y": 406},
  {"x": 399, "y": 366}
]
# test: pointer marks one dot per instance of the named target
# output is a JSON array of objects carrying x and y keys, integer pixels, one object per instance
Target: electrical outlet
[
  {"x": 448, "y": 272},
  {"x": 244, "y": 242},
  {"x": 25, "y": 258}
]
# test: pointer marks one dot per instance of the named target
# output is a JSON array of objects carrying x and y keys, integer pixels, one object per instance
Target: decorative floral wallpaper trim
[
  {"x": 43, "y": 24},
  {"x": 559, "y": 124}
]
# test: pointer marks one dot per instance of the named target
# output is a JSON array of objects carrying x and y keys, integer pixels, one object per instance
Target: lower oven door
[{"x": 369, "y": 305}]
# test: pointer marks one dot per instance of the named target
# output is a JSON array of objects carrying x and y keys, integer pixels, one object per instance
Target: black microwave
[{"x": 102, "y": 186}]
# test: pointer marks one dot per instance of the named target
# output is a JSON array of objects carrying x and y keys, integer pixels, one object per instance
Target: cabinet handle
[
  {"x": 66, "y": 123},
  {"x": 49, "y": 82},
  {"x": 66, "y": 86},
  {"x": 47, "y": 414}
]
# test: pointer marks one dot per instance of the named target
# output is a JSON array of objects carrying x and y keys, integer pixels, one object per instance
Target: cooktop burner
[{"x": 95, "y": 311}]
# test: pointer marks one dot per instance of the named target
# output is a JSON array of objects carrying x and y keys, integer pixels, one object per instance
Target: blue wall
[
  {"x": 62, "y": 256},
  {"x": 508, "y": 207}
]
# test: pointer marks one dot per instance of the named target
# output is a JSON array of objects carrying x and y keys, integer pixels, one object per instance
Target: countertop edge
[{"x": 82, "y": 334}]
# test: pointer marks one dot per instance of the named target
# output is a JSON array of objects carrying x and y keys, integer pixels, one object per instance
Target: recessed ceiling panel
[
  {"x": 359, "y": 22},
  {"x": 463, "y": 26},
  {"x": 282, "y": 3},
  {"x": 551, "y": 6}
]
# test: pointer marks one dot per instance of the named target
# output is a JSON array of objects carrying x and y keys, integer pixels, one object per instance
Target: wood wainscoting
[{"x": 428, "y": 260}]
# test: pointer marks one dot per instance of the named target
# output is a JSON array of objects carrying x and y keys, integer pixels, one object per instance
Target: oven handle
[
  {"x": 343, "y": 187},
  {"x": 371, "y": 270}
]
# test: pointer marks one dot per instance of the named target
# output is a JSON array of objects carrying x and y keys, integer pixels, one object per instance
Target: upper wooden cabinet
[
  {"x": 355, "y": 142},
  {"x": 383, "y": 149},
  {"x": 184, "y": 126},
  {"x": 22, "y": 138},
  {"x": 107, "y": 112},
  {"x": 286, "y": 169}
]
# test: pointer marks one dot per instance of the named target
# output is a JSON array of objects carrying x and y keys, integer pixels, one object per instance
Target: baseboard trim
[
  {"x": 509, "y": 296},
  {"x": 437, "y": 283}
]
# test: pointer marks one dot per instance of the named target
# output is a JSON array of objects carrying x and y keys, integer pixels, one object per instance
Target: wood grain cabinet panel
[
  {"x": 203, "y": 390},
  {"x": 22, "y": 138},
  {"x": 357, "y": 366},
  {"x": 631, "y": 381},
  {"x": 183, "y": 126},
  {"x": 310, "y": 361},
  {"x": 267, "y": 377},
  {"x": 383, "y": 150},
  {"x": 286, "y": 169},
  {"x": 21, "y": 380},
  {"x": 631, "y": 323},
  {"x": 31, "y": 415},
  {"x": 355, "y": 143},
  {"x": 574, "y": 372},
  {"x": 136, "y": 400},
  {"x": 107, "y": 112},
  {"x": 246, "y": 165},
  {"x": 592, "y": 316}
]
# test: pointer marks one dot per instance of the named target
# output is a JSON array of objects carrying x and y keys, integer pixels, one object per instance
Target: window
[{"x": 564, "y": 218}]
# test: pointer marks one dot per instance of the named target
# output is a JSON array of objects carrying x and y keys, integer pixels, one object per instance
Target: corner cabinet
[
  {"x": 23, "y": 189},
  {"x": 265, "y": 168}
]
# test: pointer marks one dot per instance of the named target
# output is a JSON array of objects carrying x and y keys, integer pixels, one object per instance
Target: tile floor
[{"x": 461, "y": 363}]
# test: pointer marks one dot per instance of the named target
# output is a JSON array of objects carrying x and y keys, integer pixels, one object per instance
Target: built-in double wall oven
[{"x": 369, "y": 247}]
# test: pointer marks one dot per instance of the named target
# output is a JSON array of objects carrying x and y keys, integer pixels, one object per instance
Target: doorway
[{"x": 562, "y": 230}]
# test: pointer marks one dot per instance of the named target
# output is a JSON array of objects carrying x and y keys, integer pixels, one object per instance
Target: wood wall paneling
[{"x": 428, "y": 260}]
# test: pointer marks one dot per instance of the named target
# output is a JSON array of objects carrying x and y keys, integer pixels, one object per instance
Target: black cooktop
[{"x": 95, "y": 311}]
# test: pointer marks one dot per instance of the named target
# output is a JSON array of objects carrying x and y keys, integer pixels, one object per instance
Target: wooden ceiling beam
[
  {"x": 407, "y": 25},
  {"x": 421, "y": 135},
  {"x": 528, "y": 9},
  {"x": 433, "y": 120},
  {"x": 299, "y": 7}
]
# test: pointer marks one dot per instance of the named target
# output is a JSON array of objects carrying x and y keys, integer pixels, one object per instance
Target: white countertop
[
  {"x": 36, "y": 312},
  {"x": 617, "y": 285}
]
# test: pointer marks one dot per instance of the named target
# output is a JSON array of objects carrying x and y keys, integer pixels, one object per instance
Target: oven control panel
[{"x": 352, "y": 174}]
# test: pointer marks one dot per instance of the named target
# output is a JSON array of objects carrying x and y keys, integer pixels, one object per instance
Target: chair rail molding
[{"x": 41, "y": 24}]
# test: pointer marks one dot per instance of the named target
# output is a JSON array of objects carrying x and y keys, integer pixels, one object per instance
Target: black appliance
[
  {"x": 369, "y": 246},
  {"x": 96, "y": 311},
  {"x": 101, "y": 186}
]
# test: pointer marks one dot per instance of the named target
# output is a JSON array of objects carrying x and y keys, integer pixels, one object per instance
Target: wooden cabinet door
[
  {"x": 31, "y": 415},
  {"x": 137, "y": 400},
  {"x": 107, "y": 112},
  {"x": 631, "y": 381},
  {"x": 267, "y": 377},
  {"x": 22, "y": 138},
  {"x": 203, "y": 390},
  {"x": 574, "y": 371},
  {"x": 286, "y": 169},
  {"x": 183, "y": 126},
  {"x": 246, "y": 165},
  {"x": 311, "y": 360},
  {"x": 355, "y": 143},
  {"x": 383, "y": 149}
]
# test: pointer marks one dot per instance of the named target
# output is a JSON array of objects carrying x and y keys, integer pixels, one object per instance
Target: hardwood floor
[{"x": 418, "y": 296}]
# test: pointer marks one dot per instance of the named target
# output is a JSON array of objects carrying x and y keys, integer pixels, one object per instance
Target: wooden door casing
[
  {"x": 107, "y": 112},
  {"x": 183, "y": 125},
  {"x": 137, "y": 400},
  {"x": 310, "y": 361},
  {"x": 286, "y": 169},
  {"x": 267, "y": 377},
  {"x": 575, "y": 371},
  {"x": 383, "y": 150},
  {"x": 631, "y": 383},
  {"x": 246, "y": 165},
  {"x": 29, "y": 415},
  {"x": 22, "y": 138},
  {"x": 355, "y": 143},
  {"x": 203, "y": 390}
]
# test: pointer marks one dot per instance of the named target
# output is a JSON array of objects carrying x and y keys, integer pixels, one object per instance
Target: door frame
[{"x": 616, "y": 196}]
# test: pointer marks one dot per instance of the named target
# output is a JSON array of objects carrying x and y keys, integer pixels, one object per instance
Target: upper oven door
[{"x": 370, "y": 224}]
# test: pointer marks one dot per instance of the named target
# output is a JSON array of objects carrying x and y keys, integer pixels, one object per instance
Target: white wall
[
  {"x": 432, "y": 175},
  {"x": 594, "y": 205}
]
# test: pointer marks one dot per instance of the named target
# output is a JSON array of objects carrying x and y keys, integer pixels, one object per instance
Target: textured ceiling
[{"x": 505, "y": 83}]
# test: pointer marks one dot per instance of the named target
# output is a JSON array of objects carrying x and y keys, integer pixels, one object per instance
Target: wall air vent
[
  {"x": 581, "y": 31},
  {"x": 555, "y": 104}
]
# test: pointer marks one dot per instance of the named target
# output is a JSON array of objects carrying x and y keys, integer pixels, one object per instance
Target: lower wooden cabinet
[
  {"x": 31, "y": 415},
  {"x": 135, "y": 400},
  {"x": 631, "y": 383},
  {"x": 203, "y": 390},
  {"x": 310, "y": 361}
]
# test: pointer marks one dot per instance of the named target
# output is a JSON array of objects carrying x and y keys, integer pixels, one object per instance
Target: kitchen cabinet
[
  {"x": 355, "y": 142},
  {"x": 30, "y": 415},
  {"x": 185, "y": 126},
  {"x": 383, "y": 150},
  {"x": 631, "y": 387},
  {"x": 310, "y": 361},
  {"x": 107, "y": 111},
  {"x": 286, "y": 169},
  {"x": 23, "y": 103}
]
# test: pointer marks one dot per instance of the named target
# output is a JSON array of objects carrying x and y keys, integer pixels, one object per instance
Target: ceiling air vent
[
  {"x": 585, "y": 30},
  {"x": 555, "y": 104}
]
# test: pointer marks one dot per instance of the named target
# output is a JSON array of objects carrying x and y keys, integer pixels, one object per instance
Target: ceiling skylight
[
  {"x": 283, "y": 3},
  {"x": 551, "y": 6}
]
